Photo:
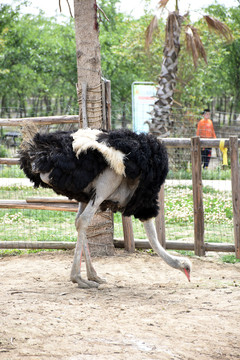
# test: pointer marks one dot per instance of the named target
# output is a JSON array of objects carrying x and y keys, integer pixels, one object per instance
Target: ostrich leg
[
  {"x": 91, "y": 272},
  {"x": 76, "y": 267},
  {"x": 105, "y": 185}
]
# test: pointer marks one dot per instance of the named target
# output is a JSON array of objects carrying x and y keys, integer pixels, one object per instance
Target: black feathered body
[{"x": 145, "y": 159}]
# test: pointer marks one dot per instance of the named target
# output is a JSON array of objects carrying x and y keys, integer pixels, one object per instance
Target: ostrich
[{"x": 117, "y": 169}]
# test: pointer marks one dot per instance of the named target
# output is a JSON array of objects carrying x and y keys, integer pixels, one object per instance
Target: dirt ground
[{"x": 145, "y": 311}]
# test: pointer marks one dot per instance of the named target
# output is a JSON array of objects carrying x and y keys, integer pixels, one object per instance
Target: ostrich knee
[{"x": 81, "y": 223}]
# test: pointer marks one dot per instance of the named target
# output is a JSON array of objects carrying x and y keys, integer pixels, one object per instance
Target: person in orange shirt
[{"x": 205, "y": 129}]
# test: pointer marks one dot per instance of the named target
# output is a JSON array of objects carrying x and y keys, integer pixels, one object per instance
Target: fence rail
[
  {"x": 118, "y": 243},
  {"x": 195, "y": 144},
  {"x": 183, "y": 143},
  {"x": 44, "y": 120}
]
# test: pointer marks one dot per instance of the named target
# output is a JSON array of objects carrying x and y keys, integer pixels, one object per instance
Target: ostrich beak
[{"x": 187, "y": 273}]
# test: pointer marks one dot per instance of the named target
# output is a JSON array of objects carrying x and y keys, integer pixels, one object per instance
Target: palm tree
[{"x": 160, "y": 123}]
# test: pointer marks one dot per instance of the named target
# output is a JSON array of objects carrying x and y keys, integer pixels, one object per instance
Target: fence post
[
  {"x": 197, "y": 196},
  {"x": 160, "y": 219},
  {"x": 128, "y": 237},
  {"x": 233, "y": 142}
]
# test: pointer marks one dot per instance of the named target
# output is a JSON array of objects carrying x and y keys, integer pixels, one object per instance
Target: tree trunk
[
  {"x": 88, "y": 63},
  {"x": 100, "y": 233},
  {"x": 160, "y": 123},
  {"x": 3, "y": 105}
]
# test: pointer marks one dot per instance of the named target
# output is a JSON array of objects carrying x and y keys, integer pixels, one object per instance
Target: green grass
[
  {"x": 216, "y": 174},
  {"x": 12, "y": 171},
  {"x": 186, "y": 253},
  {"x": 179, "y": 205},
  {"x": 37, "y": 225},
  {"x": 179, "y": 215},
  {"x": 22, "y": 192},
  {"x": 230, "y": 259},
  {"x": 16, "y": 252},
  {"x": 3, "y": 151}
]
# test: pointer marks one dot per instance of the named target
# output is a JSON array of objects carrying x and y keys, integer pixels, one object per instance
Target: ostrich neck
[{"x": 152, "y": 237}]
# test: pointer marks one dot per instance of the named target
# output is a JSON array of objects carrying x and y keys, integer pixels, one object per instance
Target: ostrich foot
[
  {"x": 84, "y": 284},
  {"x": 97, "y": 279}
]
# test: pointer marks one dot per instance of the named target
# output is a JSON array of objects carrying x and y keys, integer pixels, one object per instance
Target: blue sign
[{"x": 143, "y": 98}]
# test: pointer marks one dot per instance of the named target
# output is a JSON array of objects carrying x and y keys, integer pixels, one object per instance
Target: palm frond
[
  {"x": 173, "y": 23},
  {"x": 150, "y": 30},
  {"x": 218, "y": 27},
  {"x": 194, "y": 44},
  {"x": 162, "y": 3}
]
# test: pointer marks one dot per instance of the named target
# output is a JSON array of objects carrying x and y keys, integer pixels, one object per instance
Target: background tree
[
  {"x": 48, "y": 54},
  {"x": 212, "y": 84},
  {"x": 45, "y": 67},
  {"x": 37, "y": 63},
  {"x": 231, "y": 59},
  {"x": 160, "y": 123}
]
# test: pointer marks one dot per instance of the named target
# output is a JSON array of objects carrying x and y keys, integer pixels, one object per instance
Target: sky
[{"x": 133, "y": 7}]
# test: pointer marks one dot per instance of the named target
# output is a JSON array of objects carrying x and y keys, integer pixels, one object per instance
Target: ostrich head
[
  {"x": 180, "y": 263},
  {"x": 185, "y": 266}
]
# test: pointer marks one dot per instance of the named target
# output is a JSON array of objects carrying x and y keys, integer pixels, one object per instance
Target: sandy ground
[{"x": 145, "y": 311}]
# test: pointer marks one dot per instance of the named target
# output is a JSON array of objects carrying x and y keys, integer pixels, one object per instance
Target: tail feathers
[
  {"x": 29, "y": 130},
  {"x": 26, "y": 151}
]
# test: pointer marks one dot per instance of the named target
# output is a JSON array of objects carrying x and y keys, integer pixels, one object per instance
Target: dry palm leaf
[
  {"x": 162, "y": 3},
  {"x": 150, "y": 30},
  {"x": 219, "y": 27},
  {"x": 172, "y": 26},
  {"x": 194, "y": 44}
]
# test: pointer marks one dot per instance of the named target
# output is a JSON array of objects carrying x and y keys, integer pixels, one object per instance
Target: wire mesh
[
  {"x": 26, "y": 224},
  {"x": 217, "y": 195}
]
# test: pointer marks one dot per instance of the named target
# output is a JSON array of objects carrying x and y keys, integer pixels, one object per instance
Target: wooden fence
[{"x": 199, "y": 246}]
